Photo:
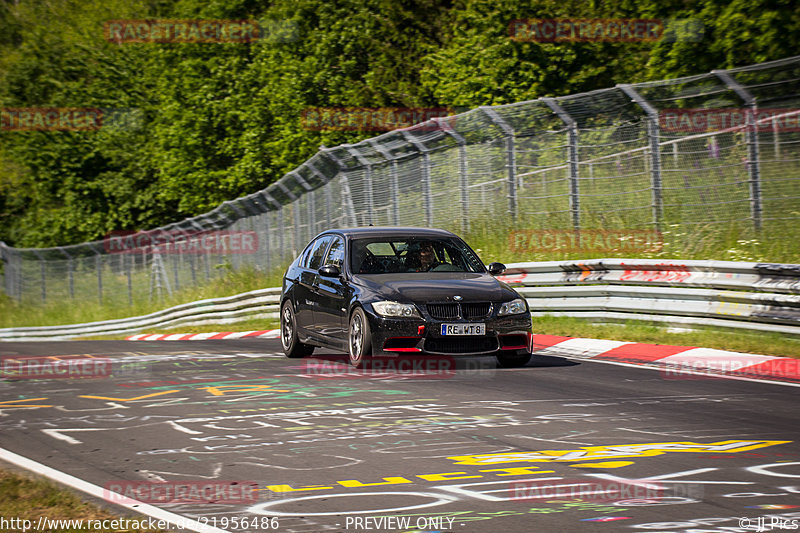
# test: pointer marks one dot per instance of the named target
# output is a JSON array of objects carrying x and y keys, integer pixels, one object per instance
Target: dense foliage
[{"x": 206, "y": 122}]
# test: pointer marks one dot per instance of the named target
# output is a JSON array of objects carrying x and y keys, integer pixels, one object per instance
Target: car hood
[{"x": 437, "y": 287}]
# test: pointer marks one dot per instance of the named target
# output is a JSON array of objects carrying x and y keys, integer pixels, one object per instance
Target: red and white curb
[
  {"x": 675, "y": 362},
  {"x": 227, "y": 335}
]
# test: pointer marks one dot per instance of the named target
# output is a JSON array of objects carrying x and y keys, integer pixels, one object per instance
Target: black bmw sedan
[{"x": 378, "y": 291}]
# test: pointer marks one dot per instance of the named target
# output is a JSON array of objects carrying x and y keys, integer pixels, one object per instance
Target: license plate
[{"x": 463, "y": 329}]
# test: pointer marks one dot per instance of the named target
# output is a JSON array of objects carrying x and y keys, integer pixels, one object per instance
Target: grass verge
[
  {"x": 494, "y": 241},
  {"x": 67, "y": 311},
  {"x": 24, "y": 498}
]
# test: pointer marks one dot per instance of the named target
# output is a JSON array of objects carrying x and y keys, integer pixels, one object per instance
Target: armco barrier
[
  {"x": 754, "y": 296},
  {"x": 257, "y": 304}
]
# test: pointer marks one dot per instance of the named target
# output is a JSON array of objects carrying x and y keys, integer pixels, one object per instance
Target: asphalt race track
[{"x": 559, "y": 445}]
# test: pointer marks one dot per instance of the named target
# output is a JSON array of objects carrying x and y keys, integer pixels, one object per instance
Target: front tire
[
  {"x": 513, "y": 360},
  {"x": 292, "y": 347},
  {"x": 359, "y": 338}
]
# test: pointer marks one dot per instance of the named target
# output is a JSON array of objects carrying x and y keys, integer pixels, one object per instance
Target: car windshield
[{"x": 387, "y": 255}]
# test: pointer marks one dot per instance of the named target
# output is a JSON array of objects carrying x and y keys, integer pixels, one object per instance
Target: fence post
[
  {"x": 511, "y": 157},
  {"x": 572, "y": 140},
  {"x": 347, "y": 201},
  {"x": 293, "y": 197},
  {"x": 200, "y": 230},
  {"x": 70, "y": 276},
  {"x": 252, "y": 213},
  {"x": 347, "y": 196},
  {"x": 653, "y": 133},
  {"x": 267, "y": 254},
  {"x": 127, "y": 258},
  {"x": 42, "y": 276},
  {"x": 266, "y": 199},
  {"x": 312, "y": 214},
  {"x": 427, "y": 194},
  {"x": 279, "y": 216},
  {"x": 298, "y": 241},
  {"x": 394, "y": 188},
  {"x": 98, "y": 263},
  {"x": 367, "y": 178},
  {"x": 751, "y": 133},
  {"x": 158, "y": 275},
  {"x": 463, "y": 182},
  {"x": 309, "y": 190},
  {"x": 326, "y": 188},
  {"x": 235, "y": 258},
  {"x": 6, "y": 277}
]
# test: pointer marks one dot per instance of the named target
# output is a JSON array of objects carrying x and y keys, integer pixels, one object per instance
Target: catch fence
[{"x": 711, "y": 149}]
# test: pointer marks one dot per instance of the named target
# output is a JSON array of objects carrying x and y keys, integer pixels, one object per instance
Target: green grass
[
  {"x": 776, "y": 243},
  {"x": 736, "y": 241},
  {"x": 25, "y": 498},
  {"x": 68, "y": 311}
]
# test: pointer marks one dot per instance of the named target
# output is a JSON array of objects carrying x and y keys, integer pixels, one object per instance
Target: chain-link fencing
[{"x": 708, "y": 149}]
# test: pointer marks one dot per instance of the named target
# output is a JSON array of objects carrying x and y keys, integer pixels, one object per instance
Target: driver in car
[{"x": 423, "y": 259}]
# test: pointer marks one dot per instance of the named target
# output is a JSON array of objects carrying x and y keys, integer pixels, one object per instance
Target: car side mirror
[
  {"x": 495, "y": 269},
  {"x": 329, "y": 271}
]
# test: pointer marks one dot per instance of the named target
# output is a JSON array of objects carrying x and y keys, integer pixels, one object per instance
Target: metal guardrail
[
  {"x": 754, "y": 296},
  {"x": 257, "y": 304}
]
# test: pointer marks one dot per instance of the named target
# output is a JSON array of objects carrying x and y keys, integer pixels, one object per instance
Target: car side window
[
  {"x": 336, "y": 253},
  {"x": 303, "y": 261},
  {"x": 318, "y": 252}
]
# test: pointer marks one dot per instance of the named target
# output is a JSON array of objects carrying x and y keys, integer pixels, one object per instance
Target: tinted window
[
  {"x": 318, "y": 252},
  {"x": 336, "y": 253},
  {"x": 414, "y": 254},
  {"x": 303, "y": 259}
]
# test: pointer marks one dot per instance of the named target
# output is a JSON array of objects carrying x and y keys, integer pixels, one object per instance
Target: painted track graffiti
[{"x": 327, "y": 453}]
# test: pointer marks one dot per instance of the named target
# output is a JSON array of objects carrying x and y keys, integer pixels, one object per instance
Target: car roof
[{"x": 390, "y": 231}]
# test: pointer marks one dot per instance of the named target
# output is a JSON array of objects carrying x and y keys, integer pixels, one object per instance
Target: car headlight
[
  {"x": 514, "y": 307},
  {"x": 395, "y": 309}
]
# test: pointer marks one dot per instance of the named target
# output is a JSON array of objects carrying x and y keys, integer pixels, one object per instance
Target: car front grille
[
  {"x": 443, "y": 311},
  {"x": 467, "y": 310},
  {"x": 461, "y": 346},
  {"x": 475, "y": 310}
]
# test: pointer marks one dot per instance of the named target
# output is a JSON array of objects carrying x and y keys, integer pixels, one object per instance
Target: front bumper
[{"x": 507, "y": 334}]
